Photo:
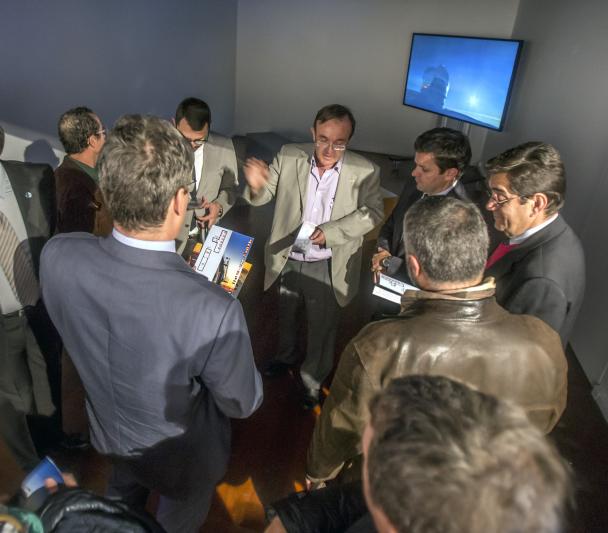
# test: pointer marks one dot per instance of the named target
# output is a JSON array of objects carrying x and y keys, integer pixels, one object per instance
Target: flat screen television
[{"x": 464, "y": 78}]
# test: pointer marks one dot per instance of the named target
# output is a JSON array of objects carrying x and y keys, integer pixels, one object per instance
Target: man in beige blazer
[
  {"x": 215, "y": 171},
  {"x": 327, "y": 199}
]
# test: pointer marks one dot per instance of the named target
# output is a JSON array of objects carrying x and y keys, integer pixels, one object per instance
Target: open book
[
  {"x": 391, "y": 289},
  {"x": 222, "y": 258}
]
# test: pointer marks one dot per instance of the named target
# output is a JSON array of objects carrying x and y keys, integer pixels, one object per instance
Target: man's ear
[
  {"x": 452, "y": 173},
  {"x": 179, "y": 203},
  {"x": 413, "y": 266},
  {"x": 540, "y": 202}
]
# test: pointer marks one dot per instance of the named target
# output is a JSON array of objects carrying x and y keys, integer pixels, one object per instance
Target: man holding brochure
[
  {"x": 164, "y": 354},
  {"x": 327, "y": 199}
]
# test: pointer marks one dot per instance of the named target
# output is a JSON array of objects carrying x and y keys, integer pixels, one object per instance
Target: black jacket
[
  {"x": 544, "y": 277},
  {"x": 335, "y": 509},
  {"x": 76, "y": 510},
  {"x": 471, "y": 187}
]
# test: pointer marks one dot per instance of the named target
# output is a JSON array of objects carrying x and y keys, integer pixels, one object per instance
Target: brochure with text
[
  {"x": 222, "y": 258},
  {"x": 391, "y": 289}
]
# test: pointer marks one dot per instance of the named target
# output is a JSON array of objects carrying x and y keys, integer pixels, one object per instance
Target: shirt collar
[
  {"x": 446, "y": 191},
  {"x": 528, "y": 233},
  {"x": 157, "y": 246},
  {"x": 337, "y": 165}
]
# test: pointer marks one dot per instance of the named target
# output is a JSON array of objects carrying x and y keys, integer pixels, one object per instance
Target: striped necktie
[{"x": 16, "y": 262}]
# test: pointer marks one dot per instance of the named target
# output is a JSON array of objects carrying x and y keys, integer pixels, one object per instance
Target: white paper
[
  {"x": 395, "y": 285},
  {"x": 303, "y": 243},
  {"x": 387, "y": 295}
]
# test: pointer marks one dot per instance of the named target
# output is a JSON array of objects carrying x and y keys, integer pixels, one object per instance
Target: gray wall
[
  {"x": 116, "y": 56},
  {"x": 561, "y": 99},
  {"x": 294, "y": 57}
]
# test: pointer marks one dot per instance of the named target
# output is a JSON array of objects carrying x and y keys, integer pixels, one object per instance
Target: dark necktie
[
  {"x": 16, "y": 262},
  {"x": 501, "y": 250}
]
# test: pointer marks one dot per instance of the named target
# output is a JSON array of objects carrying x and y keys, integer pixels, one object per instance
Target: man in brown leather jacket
[{"x": 451, "y": 327}]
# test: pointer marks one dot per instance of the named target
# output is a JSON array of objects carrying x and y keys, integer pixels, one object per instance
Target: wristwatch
[
  {"x": 221, "y": 212},
  {"x": 386, "y": 262}
]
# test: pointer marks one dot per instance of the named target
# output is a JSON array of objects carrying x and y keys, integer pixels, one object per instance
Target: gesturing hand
[{"x": 256, "y": 174}]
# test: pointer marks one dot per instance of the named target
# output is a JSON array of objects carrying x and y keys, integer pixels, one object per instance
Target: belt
[{"x": 15, "y": 314}]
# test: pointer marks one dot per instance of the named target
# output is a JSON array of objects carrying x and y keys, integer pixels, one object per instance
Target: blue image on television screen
[{"x": 465, "y": 78}]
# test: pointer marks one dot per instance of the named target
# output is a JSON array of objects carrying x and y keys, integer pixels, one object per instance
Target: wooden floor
[{"x": 268, "y": 452}]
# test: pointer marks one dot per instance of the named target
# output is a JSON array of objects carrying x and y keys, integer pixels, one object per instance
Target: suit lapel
[
  {"x": 303, "y": 173},
  {"x": 346, "y": 185},
  {"x": 505, "y": 263},
  {"x": 30, "y": 189}
]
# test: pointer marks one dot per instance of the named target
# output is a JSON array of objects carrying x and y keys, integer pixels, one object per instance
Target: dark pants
[
  {"x": 24, "y": 387},
  {"x": 176, "y": 516},
  {"x": 308, "y": 285}
]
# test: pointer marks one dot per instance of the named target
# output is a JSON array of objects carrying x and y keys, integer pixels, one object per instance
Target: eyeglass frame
[
  {"x": 195, "y": 142},
  {"x": 499, "y": 203},
  {"x": 332, "y": 146}
]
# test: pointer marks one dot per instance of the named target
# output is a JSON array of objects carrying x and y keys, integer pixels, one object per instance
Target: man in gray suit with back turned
[{"x": 164, "y": 354}]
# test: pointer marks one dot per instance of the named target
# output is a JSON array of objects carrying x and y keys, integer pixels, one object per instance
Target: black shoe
[
  {"x": 310, "y": 399},
  {"x": 276, "y": 368}
]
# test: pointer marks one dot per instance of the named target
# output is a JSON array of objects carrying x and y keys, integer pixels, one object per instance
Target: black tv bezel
[{"x": 511, "y": 83}]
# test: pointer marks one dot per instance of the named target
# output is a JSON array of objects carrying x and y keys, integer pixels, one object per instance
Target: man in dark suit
[
  {"x": 164, "y": 355},
  {"x": 540, "y": 270},
  {"x": 27, "y": 220},
  {"x": 442, "y": 156}
]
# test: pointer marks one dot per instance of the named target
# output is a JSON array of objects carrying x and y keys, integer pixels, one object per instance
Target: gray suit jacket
[
  {"x": 357, "y": 209},
  {"x": 219, "y": 180},
  {"x": 164, "y": 355}
]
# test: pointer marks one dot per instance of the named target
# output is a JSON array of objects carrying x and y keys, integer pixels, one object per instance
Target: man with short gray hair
[
  {"x": 164, "y": 354},
  {"x": 452, "y": 326}
]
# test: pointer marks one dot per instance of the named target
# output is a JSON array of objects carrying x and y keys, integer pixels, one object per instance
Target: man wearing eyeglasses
[
  {"x": 215, "y": 171},
  {"x": 80, "y": 204},
  {"x": 540, "y": 268},
  {"x": 327, "y": 199}
]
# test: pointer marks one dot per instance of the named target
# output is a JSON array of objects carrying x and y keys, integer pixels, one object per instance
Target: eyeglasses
[
  {"x": 101, "y": 132},
  {"x": 332, "y": 146},
  {"x": 493, "y": 197},
  {"x": 196, "y": 142}
]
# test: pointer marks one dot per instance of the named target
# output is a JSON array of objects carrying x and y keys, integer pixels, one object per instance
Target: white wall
[
  {"x": 295, "y": 57},
  {"x": 115, "y": 56},
  {"x": 561, "y": 99}
]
